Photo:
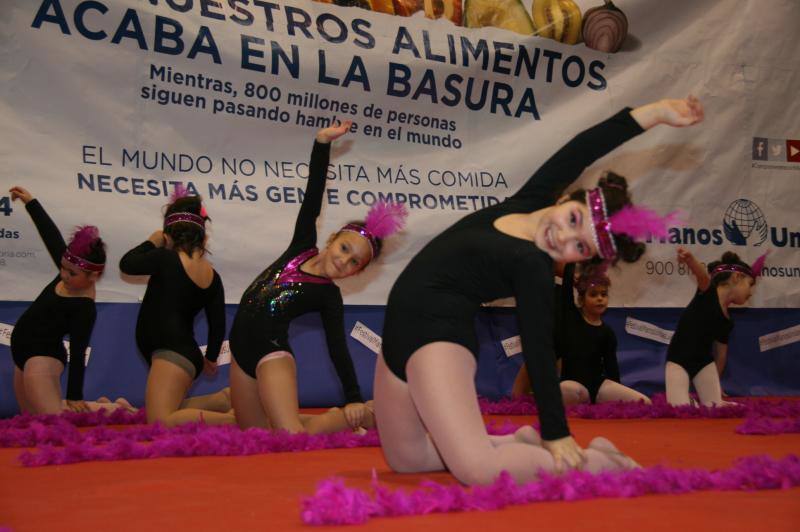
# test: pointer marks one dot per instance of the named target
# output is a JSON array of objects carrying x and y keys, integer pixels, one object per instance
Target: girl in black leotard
[
  {"x": 263, "y": 371},
  {"x": 425, "y": 399},
  {"x": 586, "y": 346},
  {"x": 699, "y": 346},
  {"x": 182, "y": 283},
  {"x": 65, "y": 307}
]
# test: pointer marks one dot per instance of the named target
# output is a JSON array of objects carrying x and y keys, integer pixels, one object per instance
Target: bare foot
[
  {"x": 123, "y": 403},
  {"x": 605, "y": 446},
  {"x": 103, "y": 399}
]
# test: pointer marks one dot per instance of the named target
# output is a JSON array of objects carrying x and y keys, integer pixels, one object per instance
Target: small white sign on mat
[
  {"x": 367, "y": 336},
  {"x": 512, "y": 346},
  {"x": 224, "y": 353},
  {"x": 643, "y": 329},
  {"x": 779, "y": 338}
]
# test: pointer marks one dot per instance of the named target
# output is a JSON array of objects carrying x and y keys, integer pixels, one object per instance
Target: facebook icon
[{"x": 760, "y": 149}]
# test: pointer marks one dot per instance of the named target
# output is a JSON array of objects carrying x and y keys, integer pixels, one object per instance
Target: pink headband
[
  {"x": 82, "y": 263},
  {"x": 752, "y": 271},
  {"x": 185, "y": 217},
  {"x": 383, "y": 219},
  {"x": 601, "y": 227},
  {"x": 636, "y": 222}
]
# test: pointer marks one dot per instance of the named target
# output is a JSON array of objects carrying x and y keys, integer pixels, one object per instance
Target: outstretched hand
[
  {"x": 21, "y": 194},
  {"x": 681, "y": 113},
  {"x": 336, "y": 130},
  {"x": 684, "y": 255}
]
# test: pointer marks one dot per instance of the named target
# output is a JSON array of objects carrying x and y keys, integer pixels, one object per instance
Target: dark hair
[
  {"x": 591, "y": 274},
  {"x": 97, "y": 252},
  {"x": 187, "y": 236},
  {"x": 378, "y": 241},
  {"x": 615, "y": 192},
  {"x": 729, "y": 257}
]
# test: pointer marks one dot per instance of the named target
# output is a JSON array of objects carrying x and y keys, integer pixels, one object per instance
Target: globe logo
[{"x": 743, "y": 219}]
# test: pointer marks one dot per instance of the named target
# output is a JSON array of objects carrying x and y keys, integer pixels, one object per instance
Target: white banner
[{"x": 106, "y": 105}]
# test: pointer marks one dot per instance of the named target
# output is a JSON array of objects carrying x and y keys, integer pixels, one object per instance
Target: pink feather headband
[
  {"x": 181, "y": 192},
  {"x": 753, "y": 270},
  {"x": 383, "y": 219},
  {"x": 80, "y": 245},
  {"x": 636, "y": 222}
]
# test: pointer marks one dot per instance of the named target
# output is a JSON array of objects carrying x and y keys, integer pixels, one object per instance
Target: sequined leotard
[
  {"x": 41, "y": 329},
  {"x": 283, "y": 292},
  {"x": 436, "y": 297}
]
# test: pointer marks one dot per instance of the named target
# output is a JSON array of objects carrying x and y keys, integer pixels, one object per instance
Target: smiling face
[
  {"x": 345, "y": 255},
  {"x": 75, "y": 279},
  {"x": 565, "y": 232}
]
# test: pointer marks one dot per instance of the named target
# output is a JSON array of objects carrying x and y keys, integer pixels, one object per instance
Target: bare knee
[{"x": 478, "y": 473}]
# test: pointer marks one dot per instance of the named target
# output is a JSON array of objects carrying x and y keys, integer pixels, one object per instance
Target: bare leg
[
  {"x": 706, "y": 382},
  {"x": 677, "y": 383},
  {"x": 614, "y": 391},
  {"x": 167, "y": 384},
  {"x": 19, "y": 391},
  {"x": 216, "y": 402},
  {"x": 277, "y": 388},
  {"x": 574, "y": 393},
  {"x": 245, "y": 399},
  {"x": 42, "y": 378},
  {"x": 453, "y": 418},
  {"x": 405, "y": 442}
]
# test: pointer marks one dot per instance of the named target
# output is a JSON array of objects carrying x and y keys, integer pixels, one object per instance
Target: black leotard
[
  {"x": 700, "y": 324},
  {"x": 588, "y": 352},
  {"x": 41, "y": 329},
  {"x": 438, "y": 294},
  {"x": 170, "y": 304},
  {"x": 283, "y": 292}
]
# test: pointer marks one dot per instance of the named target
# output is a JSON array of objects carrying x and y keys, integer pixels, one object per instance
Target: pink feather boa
[
  {"x": 658, "y": 409},
  {"x": 335, "y": 504}
]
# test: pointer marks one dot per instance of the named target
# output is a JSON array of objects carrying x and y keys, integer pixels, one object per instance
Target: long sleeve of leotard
[
  {"x": 305, "y": 229},
  {"x": 50, "y": 234},
  {"x": 532, "y": 282},
  {"x": 565, "y": 310},
  {"x": 610, "y": 365},
  {"x": 80, "y": 330},
  {"x": 585, "y": 148},
  {"x": 144, "y": 259},
  {"x": 333, "y": 322},
  {"x": 215, "y": 315}
]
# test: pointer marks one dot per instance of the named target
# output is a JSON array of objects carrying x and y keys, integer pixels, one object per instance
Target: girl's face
[
  {"x": 347, "y": 254},
  {"x": 565, "y": 232},
  {"x": 595, "y": 300},
  {"x": 75, "y": 279},
  {"x": 741, "y": 288}
]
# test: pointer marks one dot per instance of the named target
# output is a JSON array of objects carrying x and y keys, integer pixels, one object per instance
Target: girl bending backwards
[
  {"x": 425, "y": 399},
  {"x": 182, "y": 283},
  {"x": 705, "y": 325},
  {"x": 65, "y": 307},
  {"x": 263, "y": 371},
  {"x": 588, "y": 347}
]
